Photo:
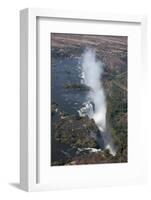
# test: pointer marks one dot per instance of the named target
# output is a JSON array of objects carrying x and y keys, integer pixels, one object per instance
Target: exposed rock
[{"x": 54, "y": 108}]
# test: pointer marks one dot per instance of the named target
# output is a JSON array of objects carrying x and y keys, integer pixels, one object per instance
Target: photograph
[{"x": 89, "y": 105}]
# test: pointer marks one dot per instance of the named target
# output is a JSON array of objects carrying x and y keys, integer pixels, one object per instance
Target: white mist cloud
[{"x": 92, "y": 71}]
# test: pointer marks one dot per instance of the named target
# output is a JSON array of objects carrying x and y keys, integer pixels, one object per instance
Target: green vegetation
[
  {"x": 76, "y": 86},
  {"x": 77, "y": 132},
  {"x": 117, "y": 113}
]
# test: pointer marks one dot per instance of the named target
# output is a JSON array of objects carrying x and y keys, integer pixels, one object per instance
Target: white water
[{"x": 96, "y": 106}]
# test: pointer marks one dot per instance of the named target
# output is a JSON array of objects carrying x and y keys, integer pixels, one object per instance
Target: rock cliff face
[{"x": 81, "y": 132}]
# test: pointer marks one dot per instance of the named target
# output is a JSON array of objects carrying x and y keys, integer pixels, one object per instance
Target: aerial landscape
[{"x": 88, "y": 99}]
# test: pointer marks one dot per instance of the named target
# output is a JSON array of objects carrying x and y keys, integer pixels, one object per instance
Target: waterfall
[
  {"x": 95, "y": 106},
  {"x": 91, "y": 76}
]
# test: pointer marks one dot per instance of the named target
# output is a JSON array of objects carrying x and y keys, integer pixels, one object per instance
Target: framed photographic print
[{"x": 81, "y": 96}]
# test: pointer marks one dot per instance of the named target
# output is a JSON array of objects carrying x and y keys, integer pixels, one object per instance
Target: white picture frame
[{"x": 29, "y": 142}]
